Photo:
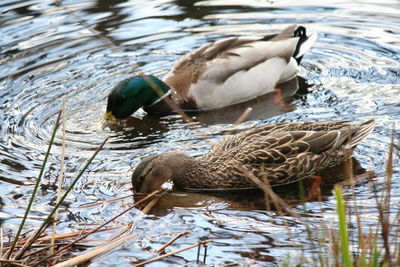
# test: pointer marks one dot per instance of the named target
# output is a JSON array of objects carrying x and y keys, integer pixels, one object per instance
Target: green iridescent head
[{"x": 131, "y": 94}]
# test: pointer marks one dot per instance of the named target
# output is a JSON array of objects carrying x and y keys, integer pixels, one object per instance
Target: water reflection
[{"x": 108, "y": 7}]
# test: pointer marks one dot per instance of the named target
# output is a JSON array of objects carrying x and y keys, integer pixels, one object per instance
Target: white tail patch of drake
[{"x": 306, "y": 46}]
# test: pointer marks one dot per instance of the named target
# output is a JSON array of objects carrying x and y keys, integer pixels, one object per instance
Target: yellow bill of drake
[{"x": 109, "y": 117}]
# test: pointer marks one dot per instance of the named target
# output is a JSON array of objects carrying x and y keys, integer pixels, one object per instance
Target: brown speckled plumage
[{"x": 282, "y": 153}]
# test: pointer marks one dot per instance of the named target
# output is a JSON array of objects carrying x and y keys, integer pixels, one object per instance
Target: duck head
[
  {"x": 155, "y": 170},
  {"x": 133, "y": 93},
  {"x": 150, "y": 174}
]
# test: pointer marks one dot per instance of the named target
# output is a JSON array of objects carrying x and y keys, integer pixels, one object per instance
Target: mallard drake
[
  {"x": 281, "y": 153},
  {"x": 219, "y": 74}
]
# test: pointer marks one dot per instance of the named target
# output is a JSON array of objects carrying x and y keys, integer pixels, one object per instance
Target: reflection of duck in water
[
  {"x": 281, "y": 153},
  {"x": 216, "y": 75}
]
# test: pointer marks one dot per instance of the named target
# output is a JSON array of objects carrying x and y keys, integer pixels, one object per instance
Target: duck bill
[{"x": 109, "y": 117}]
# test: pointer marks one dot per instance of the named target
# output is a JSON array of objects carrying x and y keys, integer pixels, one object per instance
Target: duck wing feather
[{"x": 281, "y": 151}]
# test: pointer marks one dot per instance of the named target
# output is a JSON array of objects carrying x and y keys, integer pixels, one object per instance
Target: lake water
[{"x": 53, "y": 55}]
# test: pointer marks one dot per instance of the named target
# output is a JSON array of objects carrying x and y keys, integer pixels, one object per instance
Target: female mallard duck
[
  {"x": 219, "y": 74},
  {"x": 281, "y": 153}
]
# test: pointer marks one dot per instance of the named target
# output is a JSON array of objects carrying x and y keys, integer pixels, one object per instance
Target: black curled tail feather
[{"x": 302, "y": 34}]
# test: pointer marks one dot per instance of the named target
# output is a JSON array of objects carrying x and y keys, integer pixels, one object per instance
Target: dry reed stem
[
  {"x": 241, "y": 118},
  {"x": 150, "y": 205},
  {"x": 83, "y": 258},
  {"x": 99, "y": 227},
  {"x": 144, "y": 210},
  {"x": 279, "y": 203},
  {"x": 167, "y": 100},
  {"x": 327, "y": 237},
  {"x": 104, "y": 201},
  {"x": 372, "y": 237},
  {"x": 389, "y": 162},
  {"x": 335, "y": 247},
  {"x": 170, "y": 242},
  {"x": 172, "y": 253},
  {"x": 310, "y": 238},
  {"x": 60, "y": 179},
  {"x": 361, "y": 237},
  {"x": 384, "y": 205},
  {"x": 1, "y": 243},
  {"x": 348, "y": 164},
  {"x": 244, "y": 116},
  {"x": 110, "y": 245},
  {"x": 72, "y": 234},
  {"x": 352, "y": 182},
  {"x": 126, "y": 229},
  {"x": 42, "y": 250},
  {"x": 13, "y": 263},
  {"x": 397, "y": 240},
  {"x": 41, "y": 242},
  {"x": 347, "y": 152}
]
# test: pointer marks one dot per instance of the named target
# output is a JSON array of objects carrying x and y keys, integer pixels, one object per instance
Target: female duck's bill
[{"x": 216, "y": 75}]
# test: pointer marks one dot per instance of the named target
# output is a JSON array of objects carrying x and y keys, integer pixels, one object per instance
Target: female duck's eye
[
  {"x": 156, "y": 173},
  {"x": 139, "y": 182}
]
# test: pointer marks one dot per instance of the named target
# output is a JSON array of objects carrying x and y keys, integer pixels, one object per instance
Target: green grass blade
[
  {"x": 28, "y": 208},
  {"x": 375, "y": 257},
  {"x": 344, "y": 235}
]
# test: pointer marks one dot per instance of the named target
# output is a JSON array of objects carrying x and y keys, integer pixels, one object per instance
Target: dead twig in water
[
  {"x": 171, "y": 253},
  {"x": 95, "y": 252},
  {"x": 384, "y": 203},
  {"x": 244, "y": 116},
  {"x": 100, "y": 226},
  {"x": 13, "y": 262},
  {"x": 279, "y": 203},
  {"x": 105, "y": 201},
  {"x": 162, "y": 249},
  {"x": 60, "y": 179}
]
